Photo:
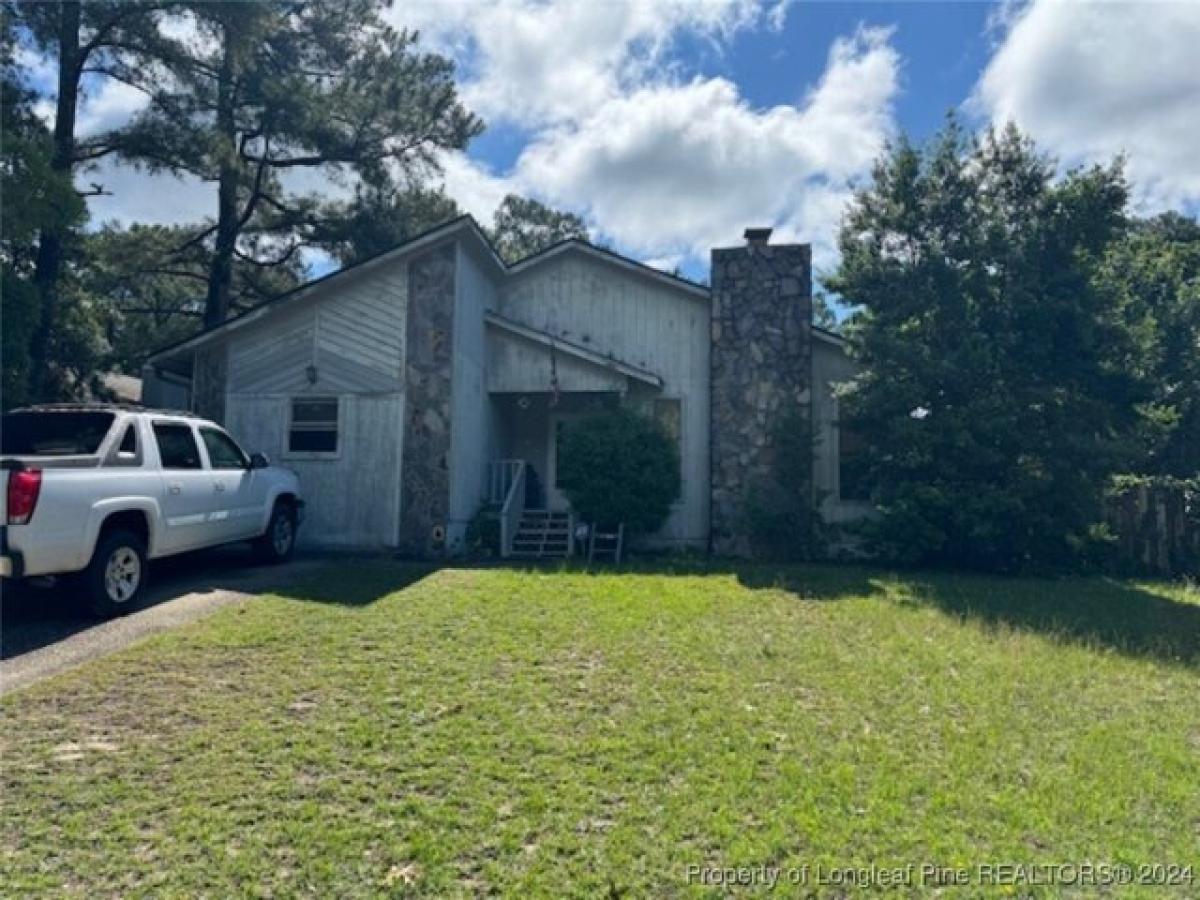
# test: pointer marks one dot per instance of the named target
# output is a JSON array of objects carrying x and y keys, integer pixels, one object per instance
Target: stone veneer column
[
  {"x": 761, "y": 370},
  {"x": 425, "y": 468}
]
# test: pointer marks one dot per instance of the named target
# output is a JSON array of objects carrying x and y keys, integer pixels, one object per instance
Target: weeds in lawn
[{"x": 390, "y": 730}]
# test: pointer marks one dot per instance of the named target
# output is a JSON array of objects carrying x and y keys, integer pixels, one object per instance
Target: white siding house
[{"x": 411, "y": 390}]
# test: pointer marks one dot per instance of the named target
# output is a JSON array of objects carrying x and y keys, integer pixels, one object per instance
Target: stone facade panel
[
  {"x": 425, "y": 472},
  {"x": 761, "y": 367}
]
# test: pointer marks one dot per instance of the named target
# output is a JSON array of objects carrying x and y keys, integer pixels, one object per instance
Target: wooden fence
[{"x": 1157, "y": 525}]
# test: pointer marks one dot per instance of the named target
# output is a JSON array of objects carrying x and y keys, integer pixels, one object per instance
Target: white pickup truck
[{"x": 99, "y": 489}]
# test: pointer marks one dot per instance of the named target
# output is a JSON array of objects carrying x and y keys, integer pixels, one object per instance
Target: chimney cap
[{"x": 757, "y": 235}]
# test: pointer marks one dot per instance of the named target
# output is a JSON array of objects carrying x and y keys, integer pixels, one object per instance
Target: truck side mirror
[{"x": 259, "y": 461}]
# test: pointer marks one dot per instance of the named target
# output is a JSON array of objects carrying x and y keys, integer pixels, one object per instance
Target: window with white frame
[{"x": 313, "y": 425}]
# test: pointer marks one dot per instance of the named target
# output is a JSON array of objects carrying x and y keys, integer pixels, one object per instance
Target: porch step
[{"x": 542, "y": 534}]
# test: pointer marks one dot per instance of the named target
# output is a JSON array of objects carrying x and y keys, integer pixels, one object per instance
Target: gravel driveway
[{"x": 45, "y": 630}]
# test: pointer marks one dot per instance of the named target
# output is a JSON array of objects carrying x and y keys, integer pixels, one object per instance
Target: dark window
[
  {"x": 852, "y": 459},
  {"x": 54, "y": 433},
  {"x": 129, "y": 440},
  {"x": 223, "y": 453},
  {"x": 314, "y": 425},
  {"x": 177, "y": 446},
  {"x": 560, "y": 430}
]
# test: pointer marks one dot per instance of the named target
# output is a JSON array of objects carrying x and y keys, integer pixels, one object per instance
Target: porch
[
  {"x": 536, "y": 520},
  {"x": 537, "y": 383}
]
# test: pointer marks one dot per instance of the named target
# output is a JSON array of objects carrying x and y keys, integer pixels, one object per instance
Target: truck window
[
  {"x": 176, "y": 446},
  {"x": 223, "y": 453},
  {"x": 68, "y": 433}
]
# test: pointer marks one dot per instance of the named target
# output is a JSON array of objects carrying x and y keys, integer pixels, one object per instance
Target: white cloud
[
  {"x": 533, "y": 62},
  {"x": 1091, "y": 81},
  {"x": 663, "y": 161},
  {"x": 137, "y": 196},
  {"x": 108, "y": 105},
  {"x": 669, "y": 170},
  {"x": 474, "y": 187}
]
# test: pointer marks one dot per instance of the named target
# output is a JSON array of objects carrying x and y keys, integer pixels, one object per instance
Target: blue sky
[
  {"x": 945, "y": 47},
  {"x": 671, "y": 125}
]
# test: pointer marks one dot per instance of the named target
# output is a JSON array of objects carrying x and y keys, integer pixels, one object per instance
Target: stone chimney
[{"x": 761, "y": 371}]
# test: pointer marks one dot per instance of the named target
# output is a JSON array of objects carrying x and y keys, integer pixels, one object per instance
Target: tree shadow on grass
[
  {"x": 357, "y": 581},
  {"x": 1100, "y": 613},
  {"x": 1096, "y": 612}
]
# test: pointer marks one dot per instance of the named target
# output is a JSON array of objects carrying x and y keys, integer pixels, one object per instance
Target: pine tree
[{"x": 996, "y": 394}]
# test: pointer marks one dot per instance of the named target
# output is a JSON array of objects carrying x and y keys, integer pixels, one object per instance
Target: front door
[{"x": 555, "y": 498}]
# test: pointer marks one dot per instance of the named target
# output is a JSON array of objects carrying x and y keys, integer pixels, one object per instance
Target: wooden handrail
[{"x": 514, "y": 502}]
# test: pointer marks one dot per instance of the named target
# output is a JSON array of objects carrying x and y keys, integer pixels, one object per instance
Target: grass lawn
[{"x": 384, "y": 730}]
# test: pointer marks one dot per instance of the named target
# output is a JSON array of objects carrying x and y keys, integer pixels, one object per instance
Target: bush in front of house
[
  {"x": 780, "y": 511},
  {"x": 619, "y": 467}
]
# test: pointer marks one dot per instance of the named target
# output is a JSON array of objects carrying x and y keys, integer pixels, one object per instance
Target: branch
[
  {"x": 192, "y": 241},
  {"x": 100, "y": 38},
  {"x": 97, "y": 150},
  {"x": 176, "y": 273},
  {"x": 256, "y": 193},
  {"x": 150, "y": 310},
  {"x": 270, "y": 263}
]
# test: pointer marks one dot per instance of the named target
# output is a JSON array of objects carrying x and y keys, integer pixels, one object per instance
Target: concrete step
[{"x": 519, "y": 544}]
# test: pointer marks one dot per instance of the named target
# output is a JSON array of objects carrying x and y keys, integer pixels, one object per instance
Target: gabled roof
[
  {"x": 572, "y": 349},
  {"x": 577, "y": 245},
  {"x": 829, "y": 337},
  {"x": 464, "y": 225}
]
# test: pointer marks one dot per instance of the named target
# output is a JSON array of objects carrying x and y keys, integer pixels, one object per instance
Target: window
[
  {"x": 177, "y": 446},
  {"x": 53, "y": 433},
  {"x": 560, "y": 428},
  {"x": 314, "y": 425},
  {"x": 126, "y": 452},
  {"x": 223, "y": 453},
  {"x": 129, "y": 440},
  {"x": 852, "y": 482}
]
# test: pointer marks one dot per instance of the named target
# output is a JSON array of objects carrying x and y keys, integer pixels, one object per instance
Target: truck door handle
[
  {"x": 219, "y": 487},
  {"x": 174, "y": 488}
]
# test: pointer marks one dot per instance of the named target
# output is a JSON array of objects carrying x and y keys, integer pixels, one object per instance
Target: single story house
[{"x": 412, "y": 388}]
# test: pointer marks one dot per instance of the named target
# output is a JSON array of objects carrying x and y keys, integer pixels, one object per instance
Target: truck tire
[
  {"x": 116, "y": 577},
  {"x": 278, "y": 542}
]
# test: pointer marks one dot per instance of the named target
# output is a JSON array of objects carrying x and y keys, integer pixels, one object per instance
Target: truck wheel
[
  {"x": 116, "y": 577},
  {"x": 278, "y": 542}
]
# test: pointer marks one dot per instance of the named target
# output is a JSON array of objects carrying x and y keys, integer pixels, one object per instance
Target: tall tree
[
  {"x": 380, "y": 218},
  {"x": 37, "y": 198},
  {"x": 523, "y": 226},
  {"x": 1155, "y": 272},
  {"x": 997, "y": 391},
  {"x": 261, "y": 93},
  {"x": 149, "y": 294},
  {"x": 84, "y": 40}
]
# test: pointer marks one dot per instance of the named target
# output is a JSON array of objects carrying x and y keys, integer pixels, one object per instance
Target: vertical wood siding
[
  {"x": 641, "y": 322},
  {"x": 353, "y": 335},
  {"x": 472, "y": 439},
  {"x": 831, "y": 366},
  {"x": 353, "y": 499}
]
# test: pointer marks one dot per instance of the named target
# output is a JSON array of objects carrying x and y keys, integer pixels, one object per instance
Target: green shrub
[
  {"x": 779, "y": 511},
  {"x": 619, "y": 467},
  {"x": 483, "y": 533}
]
